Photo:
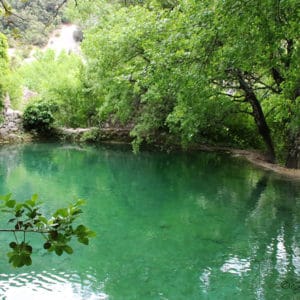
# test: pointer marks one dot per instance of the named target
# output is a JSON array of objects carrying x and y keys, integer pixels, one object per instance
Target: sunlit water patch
[
  {"x": 169, "y": 226},
  {"x": 50, "y": 285}
]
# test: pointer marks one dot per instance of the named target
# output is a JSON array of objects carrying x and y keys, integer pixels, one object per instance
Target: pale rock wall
[{"x": 11, "y": 129}]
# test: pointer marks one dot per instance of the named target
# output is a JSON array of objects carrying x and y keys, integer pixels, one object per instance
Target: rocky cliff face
[{"x": 11, "y": 129}]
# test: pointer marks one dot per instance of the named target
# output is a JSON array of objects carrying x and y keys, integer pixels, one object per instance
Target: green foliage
[
  {"x": 30, "y": 21},
  {"x": 180, "y": 71},
  {"x": 56, "y": 231},
  {"x": 196, "y": 71},
  {"x": 3, "y": 64},
  {"x": 13, "y": 88},
  {"x": 90, "y": 136},
  {"x": 118, "y": 69},
  {"x": 57, "y": 79},
  {"x": 38, "y": 116},
  {"x": 9, "y": 83},
  {"x": 3, "y": 52}
]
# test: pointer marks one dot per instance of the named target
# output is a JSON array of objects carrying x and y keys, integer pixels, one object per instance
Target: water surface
[{"x": 177, "y": 226}]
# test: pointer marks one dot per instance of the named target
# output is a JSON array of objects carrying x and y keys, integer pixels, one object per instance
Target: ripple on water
[
  {"x": 49, "y": 285},
  {"x": 235, "y": 265}
]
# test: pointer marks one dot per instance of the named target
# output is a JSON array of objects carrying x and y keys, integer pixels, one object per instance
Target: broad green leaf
[{"x": 10, "y": 203}]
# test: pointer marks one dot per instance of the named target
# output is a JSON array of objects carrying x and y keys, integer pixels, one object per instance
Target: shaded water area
[{"x": 177, "y": 226}]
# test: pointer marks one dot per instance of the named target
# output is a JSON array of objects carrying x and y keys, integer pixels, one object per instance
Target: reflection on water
[
  {"x": 49, "y": 285},
  {"x": 236, "y": 266},
  {"x": 196, "y": 226}
]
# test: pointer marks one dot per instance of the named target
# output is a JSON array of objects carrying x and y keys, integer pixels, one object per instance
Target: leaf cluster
[
  {"x": 56, "y": 231},
  {"x": 39, "y": 116}
]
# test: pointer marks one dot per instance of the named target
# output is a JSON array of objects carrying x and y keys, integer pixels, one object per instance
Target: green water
[{"x": 177, "y": 226}]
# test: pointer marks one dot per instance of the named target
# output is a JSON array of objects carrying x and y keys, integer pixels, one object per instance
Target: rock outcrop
[
  {"x": 94, "y": 134},
  {"x": 11, "y": 129}
]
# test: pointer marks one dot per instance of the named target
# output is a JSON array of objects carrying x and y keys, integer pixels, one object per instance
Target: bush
[
  {"x": 39, "y": 116},
  {"x": 90, "y": 136},
  {"x": 78, "y": 35}
]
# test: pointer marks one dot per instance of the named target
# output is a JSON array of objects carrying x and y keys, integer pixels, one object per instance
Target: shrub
[
  {"x": 90, "y": 136},
  {"x": 39, "y": 116},
  {"x": 78, "y": 35}
]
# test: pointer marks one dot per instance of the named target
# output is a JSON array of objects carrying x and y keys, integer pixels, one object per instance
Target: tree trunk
[
  {"x": 263, "y": 127},
  {"x": 293, "y": 157},
  {"x": 259, "y": 117}
]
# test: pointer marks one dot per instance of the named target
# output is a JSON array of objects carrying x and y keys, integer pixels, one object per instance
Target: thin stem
[{"x": 16, "y": 237}]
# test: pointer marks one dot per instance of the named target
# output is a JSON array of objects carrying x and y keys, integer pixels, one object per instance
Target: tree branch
[
  {"x": 226, "y": 85},
  {"x": 233, "y": 96},
  {"x": 5, "y": 6},
  {"x": 8, "y": 10},
  {"x": 57, "y": 9}
]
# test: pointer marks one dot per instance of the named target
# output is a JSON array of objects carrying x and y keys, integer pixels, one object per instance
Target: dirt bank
[
  {"x": 253, "y": 158},
  {"x": 257, "y": 159}
]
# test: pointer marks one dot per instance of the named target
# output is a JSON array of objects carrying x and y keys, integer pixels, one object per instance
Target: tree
[
  {"x": 259, "y": 53},
  {"x": 57, "y": 231},
  {"x": 57, "y": 81},
  {"x": 142, "y": 65},
  {"x": 191, "y": 70},
  {"x": 30, "y": 21}
]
